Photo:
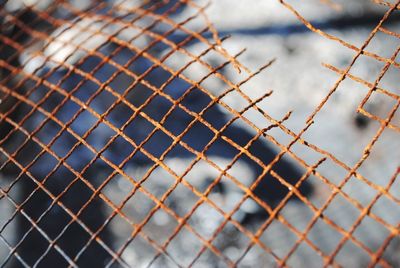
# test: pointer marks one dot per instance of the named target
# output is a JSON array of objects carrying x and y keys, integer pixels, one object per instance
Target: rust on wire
[{"x": 90, "y": 102}]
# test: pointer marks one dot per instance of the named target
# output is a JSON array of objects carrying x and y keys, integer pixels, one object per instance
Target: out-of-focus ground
[{"x": 300, "y": 83}]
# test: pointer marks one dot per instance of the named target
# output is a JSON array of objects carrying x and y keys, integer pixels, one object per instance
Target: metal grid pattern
[{"x": 65, "y": 141}]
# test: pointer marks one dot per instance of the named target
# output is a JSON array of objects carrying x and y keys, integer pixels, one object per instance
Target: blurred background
[{"x": 299, "y": 82}]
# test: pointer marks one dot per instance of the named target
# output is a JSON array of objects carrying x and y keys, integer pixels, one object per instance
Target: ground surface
[{"x": 299, "y": 82}]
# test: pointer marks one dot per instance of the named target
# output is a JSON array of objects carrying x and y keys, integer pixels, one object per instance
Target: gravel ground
[{"x": 299, "y": 82}]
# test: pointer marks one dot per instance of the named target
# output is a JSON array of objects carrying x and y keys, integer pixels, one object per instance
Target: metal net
[{"x": 131, "y": 136}]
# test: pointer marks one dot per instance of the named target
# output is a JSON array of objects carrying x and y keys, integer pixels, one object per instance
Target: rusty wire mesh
[{"x": 87, "y": 133}]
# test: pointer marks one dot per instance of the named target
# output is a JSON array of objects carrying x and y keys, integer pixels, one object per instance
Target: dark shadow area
[
  {"x": 339, "y": 23},
  {"x": 40, "y": 218}
]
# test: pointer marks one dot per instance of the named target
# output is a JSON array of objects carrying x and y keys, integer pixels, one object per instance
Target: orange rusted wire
[{"x": 11, "y": 85}]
